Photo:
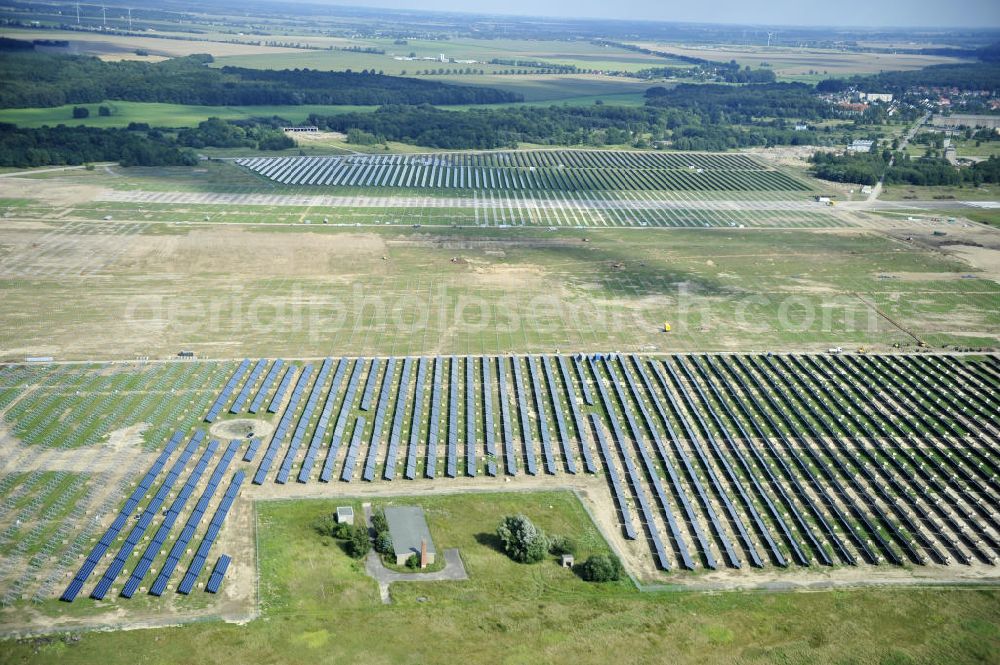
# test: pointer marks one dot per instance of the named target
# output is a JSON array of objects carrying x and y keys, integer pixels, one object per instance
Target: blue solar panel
[
  {"x": 553, "y": 396},
  {"x": 578, "y": 422},
  {"x": 324, "y": 422},
  {"x": 430, "y": 465},
  {"x": 269, "y": 379},
  {"x": 218, "y": 573},
  {"x": 416, "y": 420},
  {"x": 380, "y": 411},
  {"x": 451, "y": 469},
  {"x": 351, "y": 458},
  {"x": 543, "y": 425},
  {"x": 145, "y": 519},
  {"x": 588, "y": 396},
  {"x": 342, "y": 418},
  {"x": 153, "y": 548},
  {"x": 119, "y": 522},
  {"x": 251, "y": 449},
  {"x": 507, "y": 429},
  {"x": 282, "y": 429},
  {"x": 366, "y": 397},
  {"x": 303, "y": 424},
  {"x": 389, "y": 472},
  {"x": 190, "y": 526},
  {"x": 279, "y": 394},
  {"x": 241, "y": 398},
  {"x": 227, "y": 390},
  {"x": 614, "y": 478},
  {"x": 201, "y": 555},
  {"x": 522, "y": 410},
  {"x": 470, "y": 418},
  {"x": 635, "y": 480},
  {"x": 487, "y": 384}
]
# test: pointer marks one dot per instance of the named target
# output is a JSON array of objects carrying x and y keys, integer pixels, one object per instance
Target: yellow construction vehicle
[
  {"x": 666, "y": 327},
  {"x": 861, "y": 349}
]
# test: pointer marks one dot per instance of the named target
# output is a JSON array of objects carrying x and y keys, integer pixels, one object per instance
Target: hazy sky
[{"x": 901, "y": 13}]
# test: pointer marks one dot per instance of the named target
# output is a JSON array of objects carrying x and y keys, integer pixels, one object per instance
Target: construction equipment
[{"x": 666, "y": 327}]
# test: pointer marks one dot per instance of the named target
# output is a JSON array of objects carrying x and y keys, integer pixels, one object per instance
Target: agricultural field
[{"x": 805, "y": 64}]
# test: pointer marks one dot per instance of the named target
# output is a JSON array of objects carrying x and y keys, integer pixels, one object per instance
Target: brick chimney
[{"x": 423, "y": 553}]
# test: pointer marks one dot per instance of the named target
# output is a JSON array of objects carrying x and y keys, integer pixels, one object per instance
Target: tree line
[
  {"x": 44, "y": 80},
  {"x": 868, "y": 168},
  {"x": 69, "y": 146}
]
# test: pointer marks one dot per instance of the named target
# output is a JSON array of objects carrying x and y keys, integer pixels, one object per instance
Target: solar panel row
[
  {"x": 248, "y": 385},
  {"x": 470, "y": 418},
  {"x": 543, "y": 425},
  {"x": 366, "y": 397},
  {"x": 265, "y": 386},
  {"x": 635, "y": 479},
  {"x": 227, "y": 390},
  {"x": 282, "y": 429},
  {"x": 430, "y": 465},
  {"x": 451, "y": 466},
  {"x": 323, "y": 423},
  {"x": 342, "y": 418},
  {"x": 614, "y": 478},
  {"x": 416, "y": 420},
  {"x": 279, "y": 394},
  {"x": 485, "y": 364},
  {"x": 352, "y": 450},
  {"x": 218, "y": 573},
  {"x": 145, "y": 519},
  {"x": 191, "y": 525},
  {"x": 380, "y": 413},
  {"x": 509, "y": 452},
  {"x": 581, "y": 429},
  {"x": 153, "y": 548},
  {"x": 303, "y": 424},
  {"x": 553, "y": 396},
  {"x": 119, "y": 522},
  {"x": 198, "y": 562},
  {"x": 524, "y": 419},
  {"x": 389, "y": 472}
]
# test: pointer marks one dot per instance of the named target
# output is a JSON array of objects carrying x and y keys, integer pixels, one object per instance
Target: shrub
[
  {"x": 522, "y": 540},
  {"x": 103, "y": 111},
  {"x": 81, "y": 112},
  {"x": 359, "y": 545},
  {"x": 341, "y": 530},
  {"x": 602, "y": 568},
  {"x": 383, "y": 542},
  {"x": 379, "y": 522},
  {"x": 413, "y": 562},
  {"x": 560, "y": 545}
]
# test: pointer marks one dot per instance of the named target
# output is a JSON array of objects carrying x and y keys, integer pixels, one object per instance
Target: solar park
[{"x": 712, "y": 462}]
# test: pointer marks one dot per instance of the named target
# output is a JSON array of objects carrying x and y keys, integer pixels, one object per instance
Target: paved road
[{"x": 454, "y": 570}]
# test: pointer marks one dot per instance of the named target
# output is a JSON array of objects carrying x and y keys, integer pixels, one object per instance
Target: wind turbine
[{"x": 770, "y": 36}]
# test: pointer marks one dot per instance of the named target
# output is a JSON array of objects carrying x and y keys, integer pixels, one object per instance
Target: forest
[
  {"x": 868, "y": 168},
  {"x": 70, "y": 146},
  {"x": 42, "y": 80}
]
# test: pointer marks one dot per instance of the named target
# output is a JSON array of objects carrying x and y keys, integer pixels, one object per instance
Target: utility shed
[
  {"x": 345, "y": 515},
  {"x": 408, "y": 530}
]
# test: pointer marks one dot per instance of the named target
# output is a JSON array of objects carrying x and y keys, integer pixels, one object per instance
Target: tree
[
  {"x": 359, "y": 544},
  {"x": 522, "y": 540},
  {"x": 602, "y": 568},
  {"x": 80, "y": 112},
  {"x": 379, "y": 522},
  {"x": 103, "y": 111},
  {"x": 413, "y": 562},
  {"x": 383, "y": 542}
]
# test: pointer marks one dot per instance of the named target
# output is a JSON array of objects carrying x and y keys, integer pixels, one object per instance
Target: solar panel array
[
  {"x": 194, "y": 519},
  {"x": 153, "y": 548},
  {"x": 227, "y": 391},
  {"x": 145, "y": 519},
  {"x": 248, "y": 385},
  {"x": 198, "y": 562},
  {"x": 265, "y": 386},
  {"x": 282, "y": 429},
  {"x": 781, "y": 459},
  {"x": 218, "y": 573},
  {"x": 300, "y": 429},
  {"x": 97, "y": 553}
]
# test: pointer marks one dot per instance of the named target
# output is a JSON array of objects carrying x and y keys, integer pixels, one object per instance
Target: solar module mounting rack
[
  {"x": 218, "y": 573},
  {"x": 98, "y": 551},
  {"x": 265, "y": 386},
  {"x": 198, "y": 562},
  {"x": 227, "y": 390},
  {"x": 342, "y": 419},
  {"x": 248, "y": 385}
]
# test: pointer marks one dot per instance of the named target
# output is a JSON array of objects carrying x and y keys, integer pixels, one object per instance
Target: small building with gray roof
[{"x": 409, "y": 533}]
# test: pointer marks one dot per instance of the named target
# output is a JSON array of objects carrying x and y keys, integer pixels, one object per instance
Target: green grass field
[{"x": 318, "y": 606}]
